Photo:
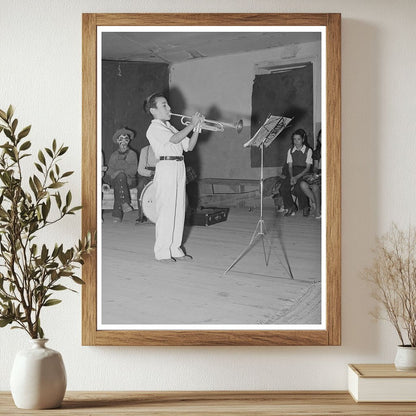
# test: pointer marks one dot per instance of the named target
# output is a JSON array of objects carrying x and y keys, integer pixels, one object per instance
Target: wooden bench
[
  {"x": 212, "y": 192},
  {"x": 227, "y": 192}
]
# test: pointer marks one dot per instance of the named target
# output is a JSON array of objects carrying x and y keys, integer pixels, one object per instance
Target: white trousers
[{"x": 169, "y": 182}]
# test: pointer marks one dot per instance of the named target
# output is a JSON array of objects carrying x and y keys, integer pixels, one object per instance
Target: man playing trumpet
[{"x": 168, "y": 145}]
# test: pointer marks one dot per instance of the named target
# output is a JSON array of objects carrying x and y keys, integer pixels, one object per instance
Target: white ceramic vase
[
  {"x": 405, "y": 358},
  {"x": 38, "y": 377}
]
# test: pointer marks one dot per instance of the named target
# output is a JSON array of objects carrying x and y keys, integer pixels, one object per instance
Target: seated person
[
  {"x": 121, "y": 173},
  {"x": 311, "y": 183},
  {"x": 299, "y": 162},
  {"x": 146, "y": 171}
]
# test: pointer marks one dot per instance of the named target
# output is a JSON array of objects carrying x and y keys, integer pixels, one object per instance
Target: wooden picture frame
[{"x": 331, "y": 334}]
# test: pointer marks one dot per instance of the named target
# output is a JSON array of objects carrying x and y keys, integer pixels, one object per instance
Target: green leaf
[
  {"x": 45, "y": 210},
  {"x": 59, "y": 287},
  {"x": 49, "y": 152},
  {"x": 41, "y": 157},
  {"x": 39, "y": 167},
  {"x": 37, "y": 182},
  {"x": 5, "y": 321},
  {"x": 44, "y": 253},
  {"x": 25, "y": 145},
  {"x": 76, "y": 279},
  {"x": 34, "y": 249},
  {"x": 33, "y": 187},
  {"x": 58, "y": 199},
  {"x": 10, "y": 112},
  {"x": 67, "y": 174},
  {"x": 63, "y": 150},
  {"x": 8, "y": 133},
  {"x": 56, "y": 185},
  {"x": 24, "y": 132},
  {"x": 51, "y": 302},
  {"x": 62, "y": 257},
  {"x": 40, "y": 332},
  {"x": 54, "y": 145},
  {"x": 3, "y": 115},
  {"x": 14, "y": 125},
  {"x": 77, "y": 208},
  {"x": 68, "y": 198}
]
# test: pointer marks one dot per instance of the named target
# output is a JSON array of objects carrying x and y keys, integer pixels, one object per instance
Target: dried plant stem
[{"x": 393, "y": 276}]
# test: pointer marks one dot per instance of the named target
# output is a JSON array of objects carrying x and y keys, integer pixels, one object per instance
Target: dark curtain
[
  {"x": 289, "y": 94},
  {"x": 125, "y": 86}
]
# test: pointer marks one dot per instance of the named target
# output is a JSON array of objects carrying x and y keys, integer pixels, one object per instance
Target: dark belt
[{"x": 177, "y": 158}]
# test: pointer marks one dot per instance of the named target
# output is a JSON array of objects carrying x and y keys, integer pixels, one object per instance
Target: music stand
[{"x": 264, "y": 136}]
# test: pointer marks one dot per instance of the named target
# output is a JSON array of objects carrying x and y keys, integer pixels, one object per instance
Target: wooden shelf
[{"x": 249, "y": 403}]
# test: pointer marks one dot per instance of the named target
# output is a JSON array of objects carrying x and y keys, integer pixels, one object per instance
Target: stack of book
[{"x": 381, "y": 383}]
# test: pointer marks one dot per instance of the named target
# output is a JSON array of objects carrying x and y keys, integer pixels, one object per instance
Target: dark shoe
[
  {"x": 126, "y": 207},
  {"x": 141, "y": 220},
  {"x": 306, "y": 211},
  {"x": 291, "y": 211},
  {"x": 186, "y": 257}
]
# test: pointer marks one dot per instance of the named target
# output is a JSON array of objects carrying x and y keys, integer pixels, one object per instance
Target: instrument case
[{"x": 206, "y": 216}]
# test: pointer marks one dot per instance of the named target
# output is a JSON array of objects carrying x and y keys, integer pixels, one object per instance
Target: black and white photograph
[{"x": 211, "y": 177}]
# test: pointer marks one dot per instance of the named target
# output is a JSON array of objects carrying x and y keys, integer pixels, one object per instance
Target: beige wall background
[{"x": 40, "y": 74}]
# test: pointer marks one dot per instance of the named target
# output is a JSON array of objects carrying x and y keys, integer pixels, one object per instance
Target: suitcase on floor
[{"x": 206, "y": 216}]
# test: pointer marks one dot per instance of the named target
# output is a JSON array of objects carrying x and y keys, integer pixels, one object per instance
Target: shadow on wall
[{"x": 178, "y": 105}]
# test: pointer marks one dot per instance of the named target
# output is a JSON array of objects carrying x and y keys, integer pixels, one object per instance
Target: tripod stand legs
[{"x": 259, "y": 233}]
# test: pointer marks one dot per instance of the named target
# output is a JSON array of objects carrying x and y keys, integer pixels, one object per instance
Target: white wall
[{"x": 40, "y": 73}]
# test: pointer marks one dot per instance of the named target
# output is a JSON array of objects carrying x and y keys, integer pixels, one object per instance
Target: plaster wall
[
  {"x": 221, "y": 88},
  {"x": 40, "y": 74}
]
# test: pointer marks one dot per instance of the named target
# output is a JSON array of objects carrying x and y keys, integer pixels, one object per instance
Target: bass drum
[{"x": 148, "y": 202}]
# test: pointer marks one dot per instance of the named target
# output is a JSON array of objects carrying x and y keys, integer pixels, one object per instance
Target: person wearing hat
[{"x": 121, "y": 173}]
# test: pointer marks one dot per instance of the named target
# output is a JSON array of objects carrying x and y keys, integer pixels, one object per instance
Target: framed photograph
[{"x": 211, "y": 173}]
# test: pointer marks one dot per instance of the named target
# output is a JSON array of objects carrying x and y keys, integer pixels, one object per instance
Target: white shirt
[
  {"x": 303, "y": 150},
  {"x": 159, "y": 133}
]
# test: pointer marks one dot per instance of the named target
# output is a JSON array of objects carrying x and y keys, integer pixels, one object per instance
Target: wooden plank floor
[{"x": 136, "y": 289}]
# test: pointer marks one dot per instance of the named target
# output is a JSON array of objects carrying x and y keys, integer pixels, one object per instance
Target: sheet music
[{"x": 271, "y": 128}]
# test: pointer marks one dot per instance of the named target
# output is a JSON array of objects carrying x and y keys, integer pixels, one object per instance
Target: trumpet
[{"x": 211, "y": 125}]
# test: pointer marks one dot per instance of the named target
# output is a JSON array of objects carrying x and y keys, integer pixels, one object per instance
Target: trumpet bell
[
  {"x": 239, "y": 126},
  {"x": 212, "y": 125}
]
